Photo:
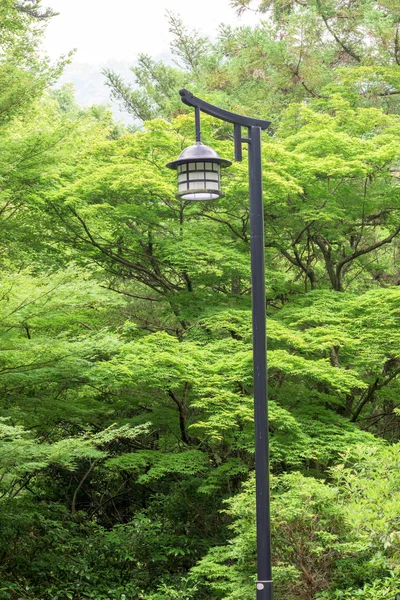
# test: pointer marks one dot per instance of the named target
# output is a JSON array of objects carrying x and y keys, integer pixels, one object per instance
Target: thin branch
[
  {"x": 239, "y": 235},
  {"x": 397, "y": 45},
  {"x": 361, "y": 252},
  {"x": 368, "y": 395},
  {"x": 392, "y": 93},
  {"x": 80, "y": 484},
  {"x": 107, "y": 287},
  {"x": 342, "y": 44}
]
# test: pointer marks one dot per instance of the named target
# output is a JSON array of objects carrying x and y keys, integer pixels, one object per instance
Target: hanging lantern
[{"x": 199, "y": 173}]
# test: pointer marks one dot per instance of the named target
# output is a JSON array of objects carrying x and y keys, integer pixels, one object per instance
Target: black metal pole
[{"x": 264, "y": 570}]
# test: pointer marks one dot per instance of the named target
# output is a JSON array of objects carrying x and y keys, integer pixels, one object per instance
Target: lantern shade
[{"x": 199, "y": 173}]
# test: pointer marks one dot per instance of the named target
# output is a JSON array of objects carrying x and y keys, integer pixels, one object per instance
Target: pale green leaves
[{"x": 153, "y": 465}]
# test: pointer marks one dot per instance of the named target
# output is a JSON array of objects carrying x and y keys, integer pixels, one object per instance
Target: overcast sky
[{"x": 101, "y": 30}]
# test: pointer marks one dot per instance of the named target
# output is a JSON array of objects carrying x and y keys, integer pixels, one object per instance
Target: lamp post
[{"x": 199, "y": 179}]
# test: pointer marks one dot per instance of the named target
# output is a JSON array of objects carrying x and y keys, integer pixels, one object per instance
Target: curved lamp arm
[
  {"x": 238, "y": 121},
  {"x": 190, "y": 100}
]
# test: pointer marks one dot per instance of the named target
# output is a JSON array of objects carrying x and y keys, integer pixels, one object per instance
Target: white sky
[{"x": 101, "y": 30}]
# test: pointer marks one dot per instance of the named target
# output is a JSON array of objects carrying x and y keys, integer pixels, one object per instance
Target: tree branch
[
  {"x": 377, "y": 385},
  {"x": 80, "y": 484},
  {"x": 363, "y": 251}
]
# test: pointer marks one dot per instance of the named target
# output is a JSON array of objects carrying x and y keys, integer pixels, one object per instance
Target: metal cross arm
[
  {"x": 219, "y": 113},
  {"x": 238, "y": 121}
]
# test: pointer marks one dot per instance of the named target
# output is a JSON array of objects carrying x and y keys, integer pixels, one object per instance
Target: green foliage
[
  {"x": 126, "y": 405},
  {"x": 323, "y": 534},
  {"x": 378, "y": 590},
  {"x": 309, "y": 534}
]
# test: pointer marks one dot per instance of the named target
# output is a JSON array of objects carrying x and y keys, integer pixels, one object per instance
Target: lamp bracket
[
  {"x": 238, "y": 121},
  {"x": 190, "y": 100},
  {"x": 197, "y": 121}
]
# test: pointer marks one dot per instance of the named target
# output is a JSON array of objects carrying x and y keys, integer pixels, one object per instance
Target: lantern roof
[{"x": 198, "y": 152}]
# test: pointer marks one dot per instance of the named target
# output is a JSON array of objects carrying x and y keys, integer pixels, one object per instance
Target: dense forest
[{"x": 126, "y": 409}]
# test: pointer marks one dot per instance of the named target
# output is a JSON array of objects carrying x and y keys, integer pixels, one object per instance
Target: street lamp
[
  {"x": 199, "y": 173},
  {"x": 198, "y": 179}
]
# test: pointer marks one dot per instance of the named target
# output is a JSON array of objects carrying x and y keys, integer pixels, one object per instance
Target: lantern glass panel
[
  {"x": 212, "y": 176},
  {"x": 197, "y": 185},
  {"x": 212, "y": 185},
  {"x": 194, "y": 175}
]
